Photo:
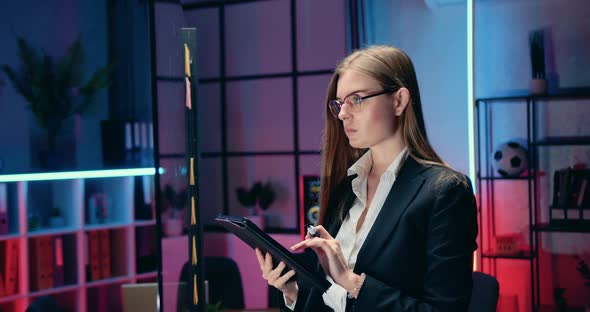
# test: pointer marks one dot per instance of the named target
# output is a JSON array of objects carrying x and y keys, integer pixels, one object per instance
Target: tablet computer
[{"x": 252, "y": 235}]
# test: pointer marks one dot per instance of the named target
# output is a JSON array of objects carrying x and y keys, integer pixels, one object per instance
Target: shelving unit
[
  {"x": 30, "y": 198},
  {"x": 487, "y": 183}
]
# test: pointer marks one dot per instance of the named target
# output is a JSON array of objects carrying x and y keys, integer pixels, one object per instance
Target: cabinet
[
  {"x": 106, "y": 237},
  {"x": 554, "y": 129}
]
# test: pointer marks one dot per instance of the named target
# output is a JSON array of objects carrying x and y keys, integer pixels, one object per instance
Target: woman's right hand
[{"x": 274, "y": 278}]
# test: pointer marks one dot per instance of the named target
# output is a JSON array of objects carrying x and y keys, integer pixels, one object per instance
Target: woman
[{"x": 397, "y": 225}]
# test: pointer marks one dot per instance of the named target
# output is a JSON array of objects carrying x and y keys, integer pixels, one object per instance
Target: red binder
[
  {"x": 58, "y": 262},
  {"x": 11, "y": 267},
  {"x": 41, "y": 262},
  {"x": 105, "y": 254},
  {"x": 48, "y": 268},
  {"x": 94, "y": 255},
  {"x": 2, "y": 291}
]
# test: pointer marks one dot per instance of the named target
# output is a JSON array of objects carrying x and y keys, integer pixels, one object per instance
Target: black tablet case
[{"x": 252, "y": 235}]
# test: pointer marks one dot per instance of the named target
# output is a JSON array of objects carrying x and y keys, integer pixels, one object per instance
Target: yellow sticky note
[
  {"x": 194, "y": 251},
  {"x": 192, "y": 175},
  {"x": 193, "y": 215},
  {"x": 187, "y": 63},
  {"x": 195, "y": 292}
]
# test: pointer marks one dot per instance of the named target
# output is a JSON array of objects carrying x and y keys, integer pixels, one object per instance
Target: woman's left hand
[{"x": 329, "y": 254}]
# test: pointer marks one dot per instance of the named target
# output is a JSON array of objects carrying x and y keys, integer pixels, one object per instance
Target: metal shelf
[
  {"x": 54, "y": 290},
  {"x": 565, "y": 228},
  {"x": 575, "y": 95},
  {"x": 562, "y": 141},
  {"x": 505, "y": 178},
  {"x": 525, "y": 255}
]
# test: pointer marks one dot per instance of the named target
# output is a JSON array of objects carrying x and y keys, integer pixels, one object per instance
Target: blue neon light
[
  {"x": 470, "y": 99},
  {"x": 67, "y": 175}
]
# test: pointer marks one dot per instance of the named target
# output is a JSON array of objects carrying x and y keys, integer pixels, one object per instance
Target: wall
[
  {"x": 434, "y": 35},
  {"x": 502, "y": 67},
  {"x": 435, "y": 38},
  {"x": 260, "y": 113},
  {"x": 51, "y": 27}
]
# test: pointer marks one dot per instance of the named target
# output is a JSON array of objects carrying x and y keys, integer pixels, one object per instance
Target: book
[
  {"x": 9, "y": 265},
  {"x": 105, "y": 253},
  {"x": 41, "y": 263},
  {"x": 3, "y": 209},
  {"x": 58, "y": 261},
  {"x": 93, "y": 247}
]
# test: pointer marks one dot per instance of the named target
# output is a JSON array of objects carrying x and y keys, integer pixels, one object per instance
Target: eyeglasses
[{"x": 354, "y": 102}]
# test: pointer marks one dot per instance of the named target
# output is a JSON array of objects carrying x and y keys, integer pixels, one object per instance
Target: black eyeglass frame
[{"x": 335, "y": 106}]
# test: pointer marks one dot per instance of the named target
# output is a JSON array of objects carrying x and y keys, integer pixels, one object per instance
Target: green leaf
[
  {"x": 53, "y": 89},
  {"x": 100, "y": 79},
  {"x": 29, "y": 58},
  {"x": 245, "y": 197},
  {"x": 69, "y": 69}
]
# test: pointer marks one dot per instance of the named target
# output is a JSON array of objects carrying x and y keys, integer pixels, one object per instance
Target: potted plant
[
  {"x": 56, "y": 219},
  {"x": 261, "y": 195},
  {"x": 266, "y": 195},
  {"x": 55, "y": 91},
  {"x": 32, "y": 221},
  {"x": 247, "y": 197},
  {"x": 174, "y": 202}
]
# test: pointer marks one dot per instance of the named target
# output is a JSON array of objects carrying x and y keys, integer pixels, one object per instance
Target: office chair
[
  {"x": 44, "y": 303},
  {"x": 485, "y": 292},
  {"x": 225, "y": 283}
]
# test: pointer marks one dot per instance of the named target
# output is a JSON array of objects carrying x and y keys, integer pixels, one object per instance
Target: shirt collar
[{"x": 363, "y": 165}]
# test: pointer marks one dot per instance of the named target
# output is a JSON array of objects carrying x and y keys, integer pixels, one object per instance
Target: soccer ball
[
  {"x": 313, "y": 214},
  {"x": 510, "y": 159}
]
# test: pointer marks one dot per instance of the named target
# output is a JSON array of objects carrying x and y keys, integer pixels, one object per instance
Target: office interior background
[{"x": 88, "y": 195}]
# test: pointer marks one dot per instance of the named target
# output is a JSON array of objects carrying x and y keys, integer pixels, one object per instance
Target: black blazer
[{"x": 418, "y": 255}]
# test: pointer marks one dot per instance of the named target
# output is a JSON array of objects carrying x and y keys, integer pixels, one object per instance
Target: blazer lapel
[{"x": 407, "y": 184}]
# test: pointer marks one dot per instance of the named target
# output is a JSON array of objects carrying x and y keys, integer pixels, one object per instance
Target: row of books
[
  {"x": 46, "y": 262},
  {"x": 98, "y": 255},
  {"x": 571, "y": 195},
  {"x": 570, "y": 188},
  {"x": 127, "y": 143},
  {"x": 8, "y": 267}
]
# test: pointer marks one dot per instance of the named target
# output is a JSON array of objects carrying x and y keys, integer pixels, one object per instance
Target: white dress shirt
[{"x": 350, "y": 240}]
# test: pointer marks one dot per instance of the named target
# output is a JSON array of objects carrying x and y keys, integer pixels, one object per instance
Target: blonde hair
[{"x": 393, "y": 69}]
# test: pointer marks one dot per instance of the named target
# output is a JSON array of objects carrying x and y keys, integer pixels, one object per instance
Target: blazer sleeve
[
  {"x": 451, "y": 240},
  {"x": 307, "y": 296},
  {"x": 308, "y": 300}
]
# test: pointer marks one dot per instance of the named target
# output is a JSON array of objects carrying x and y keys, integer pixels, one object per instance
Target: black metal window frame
[{"x": 223, "y": 79}]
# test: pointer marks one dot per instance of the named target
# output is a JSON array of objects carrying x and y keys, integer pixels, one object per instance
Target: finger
[
  {"x": 276, "y": 273},
  {"x": 259, "y": 257},
  {"x": 298, "y": 245},
  {"x": 323, "y": 232},
  {"x": 281, "y": 281},
  {"x": 316, "y": 243},
  {"x": 268, "y": 262},
  {"x": 313, "y": 243}
]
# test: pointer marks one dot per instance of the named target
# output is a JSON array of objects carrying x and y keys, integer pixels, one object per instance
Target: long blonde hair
[{"x": 393, "y": 69}]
